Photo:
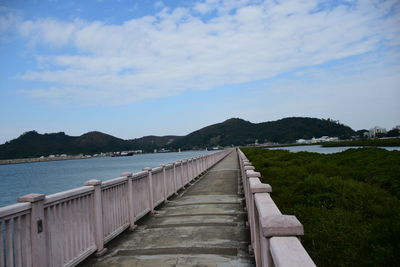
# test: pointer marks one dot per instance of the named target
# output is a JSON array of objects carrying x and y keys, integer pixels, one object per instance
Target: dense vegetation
[
  {"x": 241, "y": 132},
  {"x": 230, "y": 132},
  {"x": 349, "y": 202},
  {"x": 366, "y": 142}
]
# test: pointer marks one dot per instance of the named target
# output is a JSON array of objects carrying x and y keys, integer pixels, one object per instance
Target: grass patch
[{"x": 348, "y": 202}]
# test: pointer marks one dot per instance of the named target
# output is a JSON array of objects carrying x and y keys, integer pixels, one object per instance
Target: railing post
[
  {"x": 164, "y": 183},
  {"x": 201, "y": 164},
  {"x": 98, "y": 216},
  {"x": 190, "y": 170},
  {"x": 251, "y": 174},
  {"x": 193, "y": 168},
  {"x": 151, "y": 201},
  {"x": 131, "y": 211},
  {"x": 183, "y": 173},
  {"x": 187, "y": 171},
  {"x": 38, "y": 227},
  {"x": 175, "y": 178}
]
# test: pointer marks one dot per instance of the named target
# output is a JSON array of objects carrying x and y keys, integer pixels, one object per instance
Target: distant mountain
[
  {"x": 96, "y": 142},
  {"x": 234, "y": 131},
  {"x": 288, "y": 130},
  {"x": 33, "y": 144}
]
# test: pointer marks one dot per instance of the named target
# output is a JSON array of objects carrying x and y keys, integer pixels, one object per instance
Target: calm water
[
  {"x": 56, "y": 176},
  {"x": 323, "y": 150}
]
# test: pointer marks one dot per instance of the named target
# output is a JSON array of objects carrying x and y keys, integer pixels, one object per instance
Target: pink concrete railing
[
  {"x": 273, "y": 235},
  {"x": 63, "y": 229}
]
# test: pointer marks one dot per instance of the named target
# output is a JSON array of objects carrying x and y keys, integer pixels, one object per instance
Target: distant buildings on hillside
[
  {"x": 381, "y": 132},
  {"x": 376, "y": 131},
  {"x": 317, "y": 140},
  {"x": 372, "y": 133}
]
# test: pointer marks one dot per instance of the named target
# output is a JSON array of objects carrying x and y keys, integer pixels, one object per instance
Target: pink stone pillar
[
  {"x": 151, "y": 201},
  {"x": 175, "y": 178},
  {"x": 38, "y": 228},
  {"x": 182, "y": 174},
  {"x": 164, "y": 183},
  {"x": 98, "y": 216},
  {"x": 131, "y": 211}
]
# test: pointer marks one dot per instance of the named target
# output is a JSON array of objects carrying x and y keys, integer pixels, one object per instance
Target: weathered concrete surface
[{"x": 204, "y": 226}]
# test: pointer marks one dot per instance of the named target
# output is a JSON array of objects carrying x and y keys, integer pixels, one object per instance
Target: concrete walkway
[{"x": 204, "y": 226}]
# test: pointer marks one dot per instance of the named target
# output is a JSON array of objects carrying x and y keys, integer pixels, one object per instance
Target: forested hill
[
  {"x": 288, "y": 130},
  {"x": 240, "y": 132},
  {"x": 33, "y": 144},
  {"x": 230, "y": 132}
]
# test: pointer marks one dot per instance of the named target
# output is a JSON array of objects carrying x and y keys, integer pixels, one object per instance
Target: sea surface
[
  {"x": 55, "y": 176},
  {"x": 324, "y": 150}
]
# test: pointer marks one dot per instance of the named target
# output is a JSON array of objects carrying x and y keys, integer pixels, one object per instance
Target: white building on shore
[{"x": 376, "y": 130}]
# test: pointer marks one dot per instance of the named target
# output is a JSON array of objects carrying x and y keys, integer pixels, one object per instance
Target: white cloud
[
  {"x": 177, "y": 50},
  {"x": 52, "y": 32}
]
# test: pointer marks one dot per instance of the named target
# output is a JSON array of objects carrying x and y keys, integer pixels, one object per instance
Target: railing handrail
[
  {"x": 67, "y": 195},
  {"x": 14, "y": 209},
  {"x": 273, "y": 235},
  {"x": 81, "y": 220}
]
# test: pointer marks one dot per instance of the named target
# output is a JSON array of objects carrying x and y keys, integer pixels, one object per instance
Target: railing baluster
[
  {"x": 9, "y": 244},
  {"x": 2, "y": 256},
  {"x": 98, "y": 216}
]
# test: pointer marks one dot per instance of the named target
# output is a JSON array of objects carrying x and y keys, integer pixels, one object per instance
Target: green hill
[
  {"x": 240, "y": 132},
  {"x": 33, "y": 144},
  {"x": 233, "y": 131},
  {"x": 288, "y": 130}
]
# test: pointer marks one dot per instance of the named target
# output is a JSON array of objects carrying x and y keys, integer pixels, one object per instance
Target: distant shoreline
[{"x": 32, "y": 160}]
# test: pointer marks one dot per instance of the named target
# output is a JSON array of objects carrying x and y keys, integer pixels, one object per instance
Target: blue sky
[{"x": 135, "y": 68}]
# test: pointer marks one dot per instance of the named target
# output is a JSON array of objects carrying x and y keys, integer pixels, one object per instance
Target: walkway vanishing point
[{"x": 202, "y": 226}]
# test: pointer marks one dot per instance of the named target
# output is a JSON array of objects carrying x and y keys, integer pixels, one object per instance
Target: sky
[{"x": 134, "y": 68}]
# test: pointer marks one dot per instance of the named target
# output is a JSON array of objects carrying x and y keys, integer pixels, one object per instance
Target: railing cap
[
  {"x": 126, "y": 174},
  {"x": 281, "y": 225},
  {"x": 147, "y": 169},
  {"x": 251, "y": 173},
  {"x": 33, "y": 197},
  {"x": 288, "y": 251},
  {"x": 93, "y": 182},
  {"x": 249, "y": 167},
  {"x": 257, "y": 187}
]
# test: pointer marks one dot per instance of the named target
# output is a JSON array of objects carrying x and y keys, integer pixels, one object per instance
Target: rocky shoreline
[{"x": 41, "y": 159}]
